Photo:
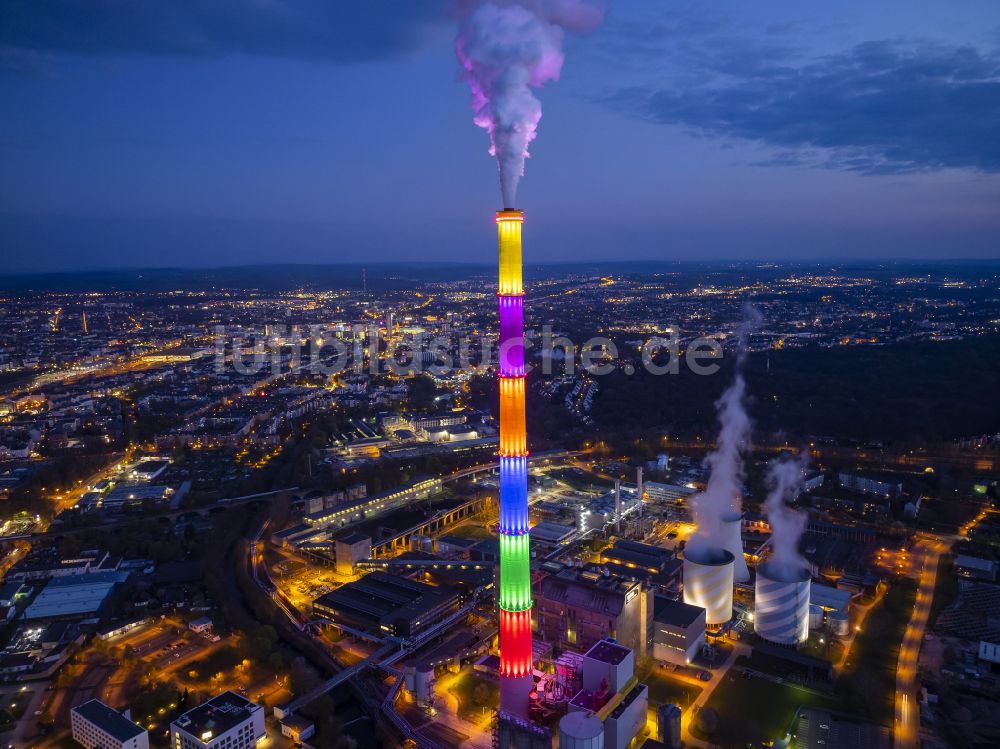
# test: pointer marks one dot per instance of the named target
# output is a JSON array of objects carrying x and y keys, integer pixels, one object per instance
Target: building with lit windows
[
  {"x": 228, "y": 721},
  {"x": 98, "y": 726},
  {"x": 678, "y": 631}
]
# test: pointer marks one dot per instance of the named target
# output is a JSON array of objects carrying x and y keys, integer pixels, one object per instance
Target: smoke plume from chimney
[
  {"x": 723, "y": 493},
  {"x": 507, "y": 48},
  {"x": 784, "y": 479}
]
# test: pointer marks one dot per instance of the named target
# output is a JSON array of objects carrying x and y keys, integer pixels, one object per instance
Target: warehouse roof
[
  {"x": 675, "y": 613},
  {"x": 829, "y": 598},
  {"x": 73, "y": 595}
]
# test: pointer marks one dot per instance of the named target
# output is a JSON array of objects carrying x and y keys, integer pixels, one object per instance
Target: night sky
[{"x": 226, "y": 132}]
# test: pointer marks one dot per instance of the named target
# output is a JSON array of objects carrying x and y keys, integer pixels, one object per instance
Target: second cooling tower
[
  {"x": 781, "y": 608},
  {"x": 708, "y": 582},
  {"x": 732, "y": 541}
]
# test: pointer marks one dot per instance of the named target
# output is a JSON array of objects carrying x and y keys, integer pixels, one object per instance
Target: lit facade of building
[
  {"x": 97, "y": 726},
  {"x": 228, "y": 721},
  {"x": 515, "y": 573}
]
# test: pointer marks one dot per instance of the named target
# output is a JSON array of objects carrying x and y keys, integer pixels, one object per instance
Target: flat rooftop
[
  {"x": 109, "y": 720},
  {"x": 675, "y": 613},
  {"x": 382, "y": 598},
  {"x": 216, "y": 716},
  {"x": 74, "y": 595},
  {"x": 607, "y": 651}
]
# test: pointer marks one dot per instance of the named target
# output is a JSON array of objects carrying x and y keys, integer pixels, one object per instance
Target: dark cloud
[
  {"x": 883, "y": 107},
  {"x": 330, "y": 30}
]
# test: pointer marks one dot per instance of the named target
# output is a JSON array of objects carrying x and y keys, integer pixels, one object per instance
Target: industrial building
[
  {"x": 818, "y": 729},
  {"x": 612, "y": 694},
  {"x": 350, "y": 549},
  {"x": 636, "y": 555},
  {"x": 678, "y": 631},
  {"x": 882, "y": 486},
  {"x": 228, "y": 720},
  {"x": 352, "y": 512},
  {"x": 578, "y": 608},
  {"x": 98, "y": 726},
  {"x": 381, "y": 603},
  {"x": 669, "y": 495},
  {"x": 75, "y": 596}
]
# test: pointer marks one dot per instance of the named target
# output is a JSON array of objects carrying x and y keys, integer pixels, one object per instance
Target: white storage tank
[
  {"x": 581, "y": 730},
  {"x": 732, "y": 534},
  {"x": 838, "y": 623},
  {"x": 708, "y": 582},
  {"x": 815, "y": 616},
  {"x": 422, "y": 679},
  {"x": 781, "y": 604}
]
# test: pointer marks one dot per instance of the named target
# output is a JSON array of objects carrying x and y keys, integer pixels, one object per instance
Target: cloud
[
  {"x": 340, "y": 31},
  {"x": 881, "y": 107}
]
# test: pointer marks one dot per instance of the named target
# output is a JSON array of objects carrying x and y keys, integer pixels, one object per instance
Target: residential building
[
  {"x": 228, "y": 721},
  {"x": 98, "y": 726}
]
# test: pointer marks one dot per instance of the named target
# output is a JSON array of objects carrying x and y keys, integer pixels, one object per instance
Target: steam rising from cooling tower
[
  {"x": 717, "y": 509},
  {"x": 507, "y": 48},
  {"x": 784, "y": 478}
]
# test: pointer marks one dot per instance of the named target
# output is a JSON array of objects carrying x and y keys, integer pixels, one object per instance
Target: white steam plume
[
  {"x": 723, "y": 493},
  {"x": 784, "y": 478},
  {"x": 507, "y": 48}
]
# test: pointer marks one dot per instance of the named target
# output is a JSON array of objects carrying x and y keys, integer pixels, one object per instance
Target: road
[{"x": 906, "y": 729}]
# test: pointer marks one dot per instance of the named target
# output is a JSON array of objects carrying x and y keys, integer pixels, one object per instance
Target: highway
[{"x": 906, "y": 728}]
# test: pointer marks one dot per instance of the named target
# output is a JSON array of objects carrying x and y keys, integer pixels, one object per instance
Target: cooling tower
[
  {"x": 708, "y": 582},
  {"x": 781, "y": 608},
  {"x": 732, "y": 541}
]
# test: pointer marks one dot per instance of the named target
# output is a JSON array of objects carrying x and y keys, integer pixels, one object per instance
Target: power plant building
[
  {"x": 386, "y": 604},
  {"x": 669, "y": 495},
  {"x": 579, "y": 608},
  {"x": 678, "y": 631},
  {"x": 612, "y": 693}
]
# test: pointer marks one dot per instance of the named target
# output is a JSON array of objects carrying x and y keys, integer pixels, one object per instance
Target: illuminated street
[{"x": 906, "y": 729}]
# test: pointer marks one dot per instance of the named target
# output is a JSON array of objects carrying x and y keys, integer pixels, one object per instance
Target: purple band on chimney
[{"x": 511, "y": 336}]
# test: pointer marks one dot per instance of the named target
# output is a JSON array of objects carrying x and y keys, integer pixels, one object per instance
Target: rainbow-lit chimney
[{"x": 516, "y": 665}]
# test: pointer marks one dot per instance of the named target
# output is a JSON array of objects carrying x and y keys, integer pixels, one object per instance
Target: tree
[
  {"x": 708, "y": 721},
  {"x": 481, "y": 695}
]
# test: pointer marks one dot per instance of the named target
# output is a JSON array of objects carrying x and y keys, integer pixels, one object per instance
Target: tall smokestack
[
  {"x": 516, "y": 664},
  {"x": 618, "y": 504},
  {"x": 639, "y": 490}
]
